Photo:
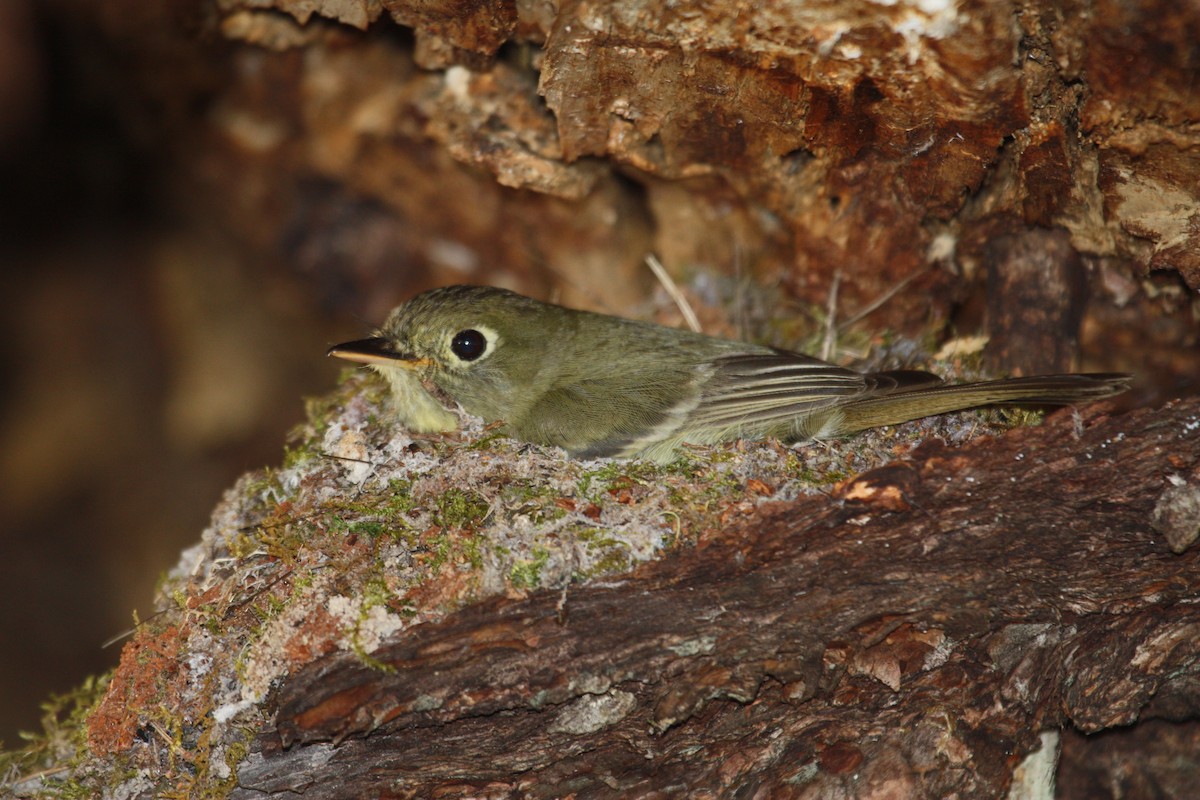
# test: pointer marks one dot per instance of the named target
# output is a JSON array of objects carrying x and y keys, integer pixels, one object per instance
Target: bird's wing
[
  {"x": 615, "y": 414},
  {"x": 630, "y": 412},
  {"x": 758, "y": 391}
]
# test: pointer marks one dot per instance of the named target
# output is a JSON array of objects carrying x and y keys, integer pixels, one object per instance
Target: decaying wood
[
  {"x": 1037, "y": 290},
  {"x": 550, "y": 146},
  {"x": 1141, "y": 761},
  {"x": 911, "y": 636}
]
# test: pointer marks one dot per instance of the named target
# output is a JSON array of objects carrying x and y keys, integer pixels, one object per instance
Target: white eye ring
[{"x": 472, "y": 343}]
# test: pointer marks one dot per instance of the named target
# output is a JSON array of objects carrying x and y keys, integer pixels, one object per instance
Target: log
[{"x": 912, "y": 635}]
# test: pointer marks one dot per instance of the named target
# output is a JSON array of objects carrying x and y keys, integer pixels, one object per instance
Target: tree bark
[{"x": 913, "y": 635}]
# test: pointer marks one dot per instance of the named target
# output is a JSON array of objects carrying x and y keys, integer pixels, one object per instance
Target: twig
[
  {"x": 829, "y": 340},
  {"x": 685, "y": 308}
]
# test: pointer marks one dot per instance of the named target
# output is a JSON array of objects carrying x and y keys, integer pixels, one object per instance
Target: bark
[
  {"x": 913, "y": 635},
  {"x": 550, "y": 146},
  {"x": 837, "y": 120}
]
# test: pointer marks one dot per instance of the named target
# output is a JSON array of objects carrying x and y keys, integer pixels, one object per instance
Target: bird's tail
[{"x": 925, "y": 401}]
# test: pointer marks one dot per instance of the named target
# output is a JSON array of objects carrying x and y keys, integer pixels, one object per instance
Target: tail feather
[{"x": 900, "y": 406}]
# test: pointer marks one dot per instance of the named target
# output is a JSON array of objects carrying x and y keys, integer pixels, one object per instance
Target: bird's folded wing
[{"x": 761, "y": 389}]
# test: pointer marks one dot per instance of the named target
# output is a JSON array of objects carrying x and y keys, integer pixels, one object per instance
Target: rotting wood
[{"x": 829, "y": 647}]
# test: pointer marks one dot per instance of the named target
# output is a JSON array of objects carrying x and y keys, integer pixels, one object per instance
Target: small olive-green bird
[{"x": 598, "y": 385}]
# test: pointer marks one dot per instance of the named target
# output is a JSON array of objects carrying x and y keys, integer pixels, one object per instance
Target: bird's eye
[{"x": 469, "y": 344}]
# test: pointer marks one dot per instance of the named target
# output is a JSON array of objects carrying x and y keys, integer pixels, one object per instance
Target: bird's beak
[{"x": 376, "y": 350}]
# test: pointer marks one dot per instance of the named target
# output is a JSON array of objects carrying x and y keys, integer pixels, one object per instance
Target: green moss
[
  {"x": 609, "y": 553},
  {"x": 704, "y": 487},
  {"x": 399, "y": 497},
  {"x": 472, "y": 550},
  {"x": 266, "y": 486},
  {"x": 62, "y": 740},
  {"x": 486, "y": 441},
  {"x": 1015, "y": 417},
  {"x": 375, "y": 593},
  {"x": 268, "y": 607},
  {"x": 459, "y": 508},
  {"x": 596, "y": 537},
  {"x": 373, "y": 514},
  {"x": 455, "y": 547},
  {"x": 530, "y": 499},
  {"x": 800, "y": 471},
  {"x": 370, "y": 528},
  {"x": 528, "y": 574},
  {"x": 612, "y": 562},
  {"x": 235, "y": 754},
  {"x": 592, "y": 484},
  {"x": 295, "y": 456}
]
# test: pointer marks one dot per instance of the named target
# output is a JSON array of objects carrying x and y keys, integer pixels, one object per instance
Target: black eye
[{"x": 468, "y": 345}]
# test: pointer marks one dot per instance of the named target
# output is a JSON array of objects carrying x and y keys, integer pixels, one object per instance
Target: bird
[{"x": 604, "y": 386}]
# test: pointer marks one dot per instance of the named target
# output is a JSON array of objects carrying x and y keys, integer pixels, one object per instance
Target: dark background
[{"x": 147, "y": 360}]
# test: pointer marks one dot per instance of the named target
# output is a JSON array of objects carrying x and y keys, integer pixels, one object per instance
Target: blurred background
[
  {"x": 194, "y": 207},
  {"x": 146, "y": 361}
]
